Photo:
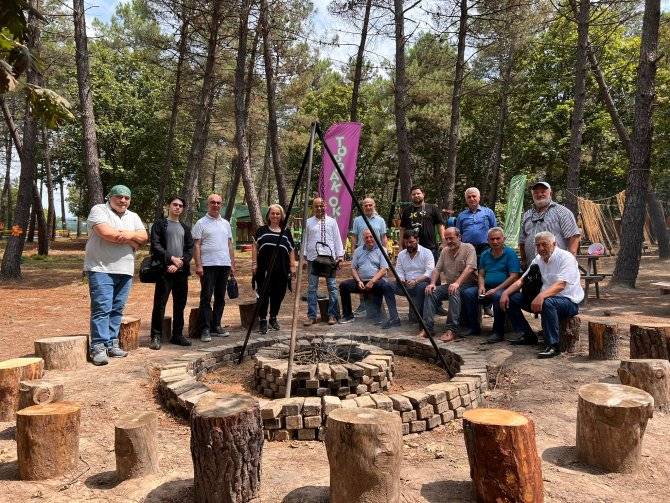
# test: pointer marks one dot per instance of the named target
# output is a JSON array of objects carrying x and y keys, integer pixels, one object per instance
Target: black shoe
[
  {"x": 525, "y": 340},
  {"x": 494, "y": 338},
  {"x": 273, "y": 324},
  {"x": 469, "y": 331},
  {"x": 180, "y": 340},
  {"x": 391, "y": 323},
  {"x": 155, "y": 342},
  {"x": 549, "y": 352},
  {"x": 263, "y": 327}
]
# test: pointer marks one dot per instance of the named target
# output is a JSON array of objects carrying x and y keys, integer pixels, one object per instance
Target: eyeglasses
[{"x": 216, "y": 203}]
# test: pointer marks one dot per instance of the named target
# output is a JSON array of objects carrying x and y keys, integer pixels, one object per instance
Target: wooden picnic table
[
  {"x": 664, "y": 287},
  {"x": 590, "y": 274}
]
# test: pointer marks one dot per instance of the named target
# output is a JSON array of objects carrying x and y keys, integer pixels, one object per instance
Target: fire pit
[{"x": 339, "y": 367}]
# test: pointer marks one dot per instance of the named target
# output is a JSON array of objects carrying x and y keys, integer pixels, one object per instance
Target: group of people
[{"x": 466, "y": 264}]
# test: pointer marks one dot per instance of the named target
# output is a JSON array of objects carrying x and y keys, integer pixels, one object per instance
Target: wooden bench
[
  {"x": 664, "y": 287},
  {"x": 592, "y": 278}
]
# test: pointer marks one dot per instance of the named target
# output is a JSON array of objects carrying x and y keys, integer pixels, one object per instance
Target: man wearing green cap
[{"x": 115, "y": 233}]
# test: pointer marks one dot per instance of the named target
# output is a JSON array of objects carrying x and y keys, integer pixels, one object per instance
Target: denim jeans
[
  {"x": 312, "y": 286},
  {"x": 553, "y": 310},
  {"x": 417, "y": 293},
  {"x": 470, "y": 309},
  {"x": 432, "y": 302},
  {"x": 109, "y": 293},
  {"x": 381, "y": 288}
]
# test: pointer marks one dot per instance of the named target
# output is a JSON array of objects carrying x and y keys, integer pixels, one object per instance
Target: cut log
[
  {"x": 323, "y": 309},
  {"x": 226, "y": 446},
  {"x": 62, "y": 353},
  {"x": 194, "y": 323},
  {"x": 504, "y": 465},
  {"x": 652, "y": 376},
  {"x": 135, "y": 445},
  {"x": 47, "y": 439},
  {"x": 129, "y": 333},
  {"x": 603, "y": 341},
  {"x": 650, "y": 342},
  {"x": 364, "y": 449},
  {"x": 569, "y": 334},
  {"x": 39, "y": 392},
  {"x": 611, "y": 419},
  {"x": 247, "y": 314},
  {"x": 166, "y": 332},
  {"x": 12, "y": 372}
]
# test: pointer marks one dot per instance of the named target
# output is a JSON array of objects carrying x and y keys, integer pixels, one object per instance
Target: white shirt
[
  {"x": 313, "y": 234},
  {"x": 214, "y": 234},
  {"x": 104, "y": 256},
  {"x": 409, "y": 268},
  {"x": 561, "y": 266}
]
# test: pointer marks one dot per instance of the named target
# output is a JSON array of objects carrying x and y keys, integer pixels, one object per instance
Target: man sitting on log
[
  {"x": 499, "y": 267},
  {"x": 559, "y": 296},
  {"x": 414, "y": 266},
  {"x": 368, "y": 267}
]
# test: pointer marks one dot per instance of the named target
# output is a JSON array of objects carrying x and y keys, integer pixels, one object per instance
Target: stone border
[{"x": 180, "y": 389}]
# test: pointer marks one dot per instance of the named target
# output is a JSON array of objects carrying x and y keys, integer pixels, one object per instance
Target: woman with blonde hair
[{"x": 265, "y": 243}]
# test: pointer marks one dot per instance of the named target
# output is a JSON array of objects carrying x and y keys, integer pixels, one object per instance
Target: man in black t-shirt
[{"x": 424, "y": 219}]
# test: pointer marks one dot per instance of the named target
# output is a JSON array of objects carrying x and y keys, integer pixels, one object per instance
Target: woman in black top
[{"x": 265, "y": 243}]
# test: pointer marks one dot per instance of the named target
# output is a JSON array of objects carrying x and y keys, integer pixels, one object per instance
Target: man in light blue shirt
[
  {"x": 475, "y": 221},
  {"x": 368, "y": 268}
]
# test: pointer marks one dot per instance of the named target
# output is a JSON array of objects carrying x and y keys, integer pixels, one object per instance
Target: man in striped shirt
[{"x": 546, "y": 215}]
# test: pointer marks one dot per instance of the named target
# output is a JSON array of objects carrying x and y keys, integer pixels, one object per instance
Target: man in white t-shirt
[
  {"x": 115, "y": 234},
  {"x": 559, "y": 296},
  {"x": 214, "y": 256}
]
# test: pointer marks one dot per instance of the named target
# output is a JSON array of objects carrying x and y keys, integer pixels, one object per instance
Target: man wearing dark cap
[
  {"x": 546, "y": 215},
  {"x": 115, "y": 234}
]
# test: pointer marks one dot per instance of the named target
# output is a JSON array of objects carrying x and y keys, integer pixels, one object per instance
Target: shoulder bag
[{"x": 150, "y": 270}]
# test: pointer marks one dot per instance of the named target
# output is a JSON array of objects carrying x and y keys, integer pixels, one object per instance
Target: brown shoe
[
  {"x": 448, "y": 336},
  {"x": 332, "y": 320},
  {"x": 309, "y": 322}
]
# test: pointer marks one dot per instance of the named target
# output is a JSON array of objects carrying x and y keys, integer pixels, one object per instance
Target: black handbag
[
  {"x": 150, "y": 270},
  {"x": 232, "y": 288},
  {"x": 532, "y": 283},
  {"x": 323, "y": 265}
]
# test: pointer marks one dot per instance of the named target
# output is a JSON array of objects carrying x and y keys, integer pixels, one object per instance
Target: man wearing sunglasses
[
  {"x": 115, "y": 235},
  {"x": 172, "y": 246},
  {"x": 214, "y": 256}
]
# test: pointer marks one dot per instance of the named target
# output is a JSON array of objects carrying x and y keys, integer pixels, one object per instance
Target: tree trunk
[
  {"x": 226, "y": 447},
  {"x": 577, "y": 122},
  {"x": 91, "y": 161},
  {"x": 166, "y": 172},
  {"x": 47, "y": 440},
  {"x": 394, "y": 199},
  {"x": 603, "y": 341},
  {"x": 241, "y": 131},
  {"x": 39, "y": 391},
  {"x": 652, "y": 376},
  {"x": 12, "y": 372},
  {"x": 637, "y": 185},
  {"x": 190, "y": 188},
  {"x": 364, "y": 449},
  {"x": 400, "y": 101},
  {"x": 6, "y": 198},
  {"x": 611, "y": 419},
  {"x": 263, "y": 183},
  {"x": 657, "y": 217},
  {"x": 271, "y": 90},
  {"x": 129, "y": 333},
  {"x": 42, "y": 228},
  {"x": 234, "y": 185},
  {"x": 62, "y": 353},
  {"x": 360, "y": 58},
  {"x": 504, "y": 465},
  {"x": 51, "y": 208},
  {"x": 496, "y": 151},
  {"x": 62, "y": 202},
  {"x": 30, "y": 238},
  {"x": 135, "y": 445},
  {"x": 449, "y": 186},
  {"x": 650, "y": 342}
]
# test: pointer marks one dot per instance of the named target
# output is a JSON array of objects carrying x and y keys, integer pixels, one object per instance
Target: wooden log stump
[
  {"x": 611, "y": 419},
  {"x": 62, "y": 353},
  {"x": 39, "y": 392},
  {"x": 364, "y": 449},
  {"x": 166, "y": 332},
  {"x": 47, "y": 439},
  {"x": 650, "y": 342},
  {"x": 323, "y": 309},
  {"x": 603, "y": 341},
  {"x": 652, "y": 376},
  {"x": 194, "y": 323},
  {"x": 135, "y": 445},
  {"x": 226, "y": 446},
  {"x": 12, "y": 372},
  {"x": 504, "y": 465},
  {"x": 569, "y": 334},
  {"x": 247, "y": 314},
  {"x": 129, "y": 333}
]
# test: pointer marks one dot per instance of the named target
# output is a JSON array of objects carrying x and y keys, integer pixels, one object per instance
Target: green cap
[{"x": 119, "y": 190}]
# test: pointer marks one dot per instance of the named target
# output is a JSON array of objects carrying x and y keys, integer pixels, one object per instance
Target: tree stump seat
[
  {"x": 568, "y": 336},
  {"x": 603, "y": 341},
  {"x": 129, "y": 333},
  {"x": 135, "y": 445},
  {"x": 194, "y": 323},
  {"x": 62, "y": 353},
  {"x": 650, "y": 342},
  {"x": 12, "y": 372},
  {"x": 247, "y": 314},
  {"x": 650, "y": 375},
  {"x": 39, "y": 391}
]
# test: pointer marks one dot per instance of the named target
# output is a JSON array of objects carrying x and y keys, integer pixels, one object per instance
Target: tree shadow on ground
[
  {"x": 8, "y": 433},
  {"x": 308, "y": 494},
  {"x": 566, "y": 457},
  {"x": 102, "y": 480},
  {"x": 444, "y": 491},
  {"x": 172, "y": 491}
]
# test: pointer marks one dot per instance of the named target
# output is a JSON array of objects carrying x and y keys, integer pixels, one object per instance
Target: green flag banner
[{"x": 514, "y": 210}]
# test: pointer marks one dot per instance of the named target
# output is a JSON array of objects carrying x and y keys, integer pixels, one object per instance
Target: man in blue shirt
[
  {"x": 368, "y": 268},
  {"x": 499, "y": 267},
  {"x": 475, "y": 221}
]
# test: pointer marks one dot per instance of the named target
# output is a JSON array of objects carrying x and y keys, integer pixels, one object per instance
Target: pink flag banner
[{"x": 342, "y": 138}]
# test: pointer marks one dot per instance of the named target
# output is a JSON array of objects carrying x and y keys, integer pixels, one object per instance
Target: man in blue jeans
[
  {"x": 115, "y": 234},
  {"x": 559, "y": 297}
]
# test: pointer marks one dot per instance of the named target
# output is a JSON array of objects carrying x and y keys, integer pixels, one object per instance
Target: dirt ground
[{"x": 52, "y": 299}]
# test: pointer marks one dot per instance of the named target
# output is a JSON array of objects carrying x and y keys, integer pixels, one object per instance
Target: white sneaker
[{"x": 205, "y": 337}]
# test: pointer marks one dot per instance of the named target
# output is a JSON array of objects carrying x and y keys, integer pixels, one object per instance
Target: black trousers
[
  {"x": 177, "y": 284},
  {"x": 213, "y": 281},
  {"x": 275, "y": 295}
]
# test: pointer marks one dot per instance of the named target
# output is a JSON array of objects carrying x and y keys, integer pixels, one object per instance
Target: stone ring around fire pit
[{"x": 338, "y": 367}]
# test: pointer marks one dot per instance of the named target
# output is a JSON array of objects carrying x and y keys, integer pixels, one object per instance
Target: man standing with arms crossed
[{"x": 214, "y": 255}]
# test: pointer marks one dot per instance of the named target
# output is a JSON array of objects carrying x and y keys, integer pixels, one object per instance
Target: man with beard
[
  {"x": 546, "y": 215},
  {"x": 424, "y": 219},
  {"x": 414, "y": 266}
]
